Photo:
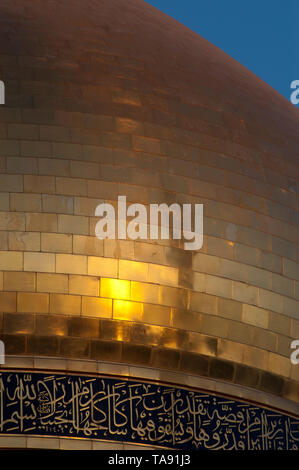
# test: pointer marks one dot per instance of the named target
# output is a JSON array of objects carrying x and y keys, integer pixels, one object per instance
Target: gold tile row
[
  {"x": 134, "y": 343},
  {"x": 238, "y": 189},
  {"x": 39, "y": 209},
  {"x": 166, "y": 263},
  {"x": 181, "y": 327},
  {"x": 228, "y": 299}
]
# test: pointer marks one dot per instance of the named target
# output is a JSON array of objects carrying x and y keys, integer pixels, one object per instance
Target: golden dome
[{"x": 108, "y": 98}]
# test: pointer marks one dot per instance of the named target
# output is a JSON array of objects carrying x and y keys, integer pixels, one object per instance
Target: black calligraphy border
[{"x": 183, "y": 428}]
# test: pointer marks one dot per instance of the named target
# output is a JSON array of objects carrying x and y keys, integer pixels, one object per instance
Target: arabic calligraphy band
[{"x": 104, "y": 408}]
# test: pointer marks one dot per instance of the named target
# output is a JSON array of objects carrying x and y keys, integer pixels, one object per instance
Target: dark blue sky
[{"x": 261, "y": 34}]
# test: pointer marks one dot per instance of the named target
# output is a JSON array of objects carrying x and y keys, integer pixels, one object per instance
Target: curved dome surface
[{"x": 108, "y": 98}]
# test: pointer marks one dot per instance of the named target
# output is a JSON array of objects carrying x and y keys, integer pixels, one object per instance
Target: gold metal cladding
[
  {"x": 146, "y": 345},
  {"x": 99, "y": 122}
]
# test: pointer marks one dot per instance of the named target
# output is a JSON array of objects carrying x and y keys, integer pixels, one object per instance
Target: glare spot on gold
[
  {"x": 169, "y": 338},
  {"x": 119, "y": 334},
  {"x": 130, "y": 311},
  {"x": 59, "y": 332},
  {"x": 115, "y": 288},
  {"x": 231, "y": 243}
]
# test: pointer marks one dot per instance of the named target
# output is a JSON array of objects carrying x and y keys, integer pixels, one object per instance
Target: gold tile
[
  {"x": 72, "y": 264},
  {"x": 56, "y": 242},
  {"x": 133, "y": 270},
  {"x": 40, "y": 262},
  {"x": 245, "y": 293},
  {"x": 14, "y": 343},
  {"x": 266, "y": 339},
  {"x": 73, "y": 224},
  {"x": 75, "y": 347},
  {"x": 271, "y": 383},
  {"x": 57, "y": 204},
  {"x": 119, "y": 249},
  {"x": 156, "y": 314},
  {"x": 70, "y": 186},
  {"x": 136, "y": 354},
  {"x": 256, "y": 357},
  {"x": 129, "y": 126},
  {"x": 96, "y": 307},
  {"x": 186, "y": 320},
  {"x": 173, "y": 338},
  {"x": 32, "y": 302},
  {"x": 25, "y": 202},
  {"x": 194, "y": 364},
  {"x": 12, "y": 220},
  {"x": 39, "y": 184},
  {"x": 19, "y": 281},
  {"x": 203, "y": 303},
  {"x": 11, "y": 261},
  {"x": 247, "y": 376},
  {"x": 106, "y": 350},
  {"x": 200, "y": 344},
  {"x": 240, "y": 332},
  {"x": 230, "y": 309},
  {"x": 84, "y": 285},
  {"x": 145, "y": 334},
  {"x": 255, "y": 316},
  {"x": 141, "y": 292},
  {"x": 233, "y": 270},
  {"x": 178, "y": 258},
  {"x": 41, "y": 222},
  {"x": 199, "y": 282},
  {"x": 163, "y": 275},
  {"x": 187, "y": 279},
  {"x": 86, "y": 205},
  {"x": 99, "y": 266},
  {"x": 65, "y": 304},
  {"x": 280, "y": 323},
  {"x": 219, "y": 286},
  {"x": 282, "y": 345},
  {"x": 291, "y": 390},
  {"x": 56, "y": 283},
  {"x": 206, "y": 263},
  {"x": 279, "y": 365},
  {"x": 18, "y": 323},
  {"x": 83, "y": 327},
  {"x": 125, "y": 310},
  {"x": 115, "y": 330},
  {"x": 52, "y": 325},
  {"x": 149, "y": 253},
  {"x": 43, "y": 345},
  {"x": 271, "y": 300},
  {"x": 221, "y": 369},
  {"x": 230, "y": 350},
  {"x": 214, "y": 325},
  {"x": 173, "y": 297},
  {"x": 85, "y": 245},
  {"x": 27, "y": 241},
  {"x": 219, "y": 247},
  {"x": 165, "y": 359}
]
